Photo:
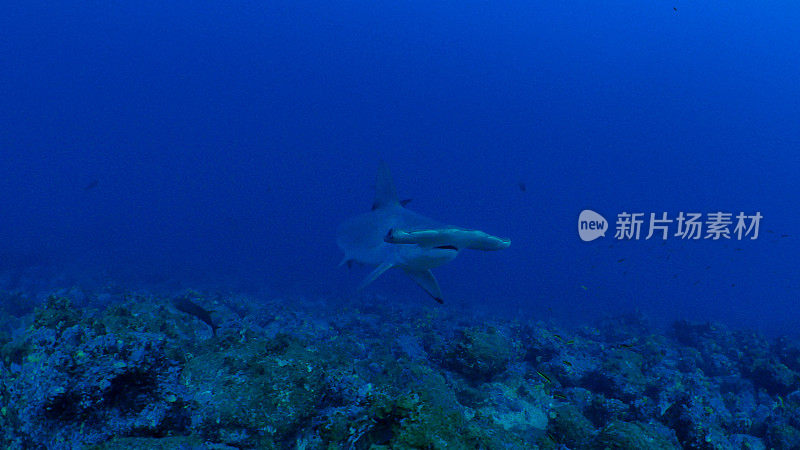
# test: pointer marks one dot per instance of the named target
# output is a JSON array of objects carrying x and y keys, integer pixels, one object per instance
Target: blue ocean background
[{"x": 229, "y": 139}]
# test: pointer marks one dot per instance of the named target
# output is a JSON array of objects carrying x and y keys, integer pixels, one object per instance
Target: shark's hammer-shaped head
[{"x": 392, "y": 236}]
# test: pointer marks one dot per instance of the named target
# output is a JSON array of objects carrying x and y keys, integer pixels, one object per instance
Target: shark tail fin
[
  {"x": 385, "y": 195},
  {"x": 375, "y": 274}
]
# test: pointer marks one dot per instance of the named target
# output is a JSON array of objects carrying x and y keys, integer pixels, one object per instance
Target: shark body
[{"x": 390, "y": 235}]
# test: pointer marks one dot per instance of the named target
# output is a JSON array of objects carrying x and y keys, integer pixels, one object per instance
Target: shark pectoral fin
[
  {"x": 375, "y": 274},
  {"x": 426, "y": 280}
]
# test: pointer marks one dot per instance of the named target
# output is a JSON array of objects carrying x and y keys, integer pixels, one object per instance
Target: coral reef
[{"x": 115, "y": 370}]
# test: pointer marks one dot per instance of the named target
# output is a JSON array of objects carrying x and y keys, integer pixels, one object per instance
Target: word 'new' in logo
[{"x": 591, "y": 225}]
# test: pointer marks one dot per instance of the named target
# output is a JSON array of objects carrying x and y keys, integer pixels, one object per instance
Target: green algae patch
[
  {"x": 480, "y": 354},
  {"x": 627, "y": 364},
  {"x": 620, "y": 376},
  {"x": 773, "y": 376},
  {"x": 251, "y": 398},
  {"x": 634, "y": 435},
  {"x": 421, "y": 414},
  {"x": 56, "y": 313},
  {"x": 783, "y": 436},
  {"x": 569, "y": 427},
  {"x": 434, "y": 419},
  {"x": 142, "y": 314},
  {"x": 514, "y": 407},
  {"x": 167, "y": 443}
]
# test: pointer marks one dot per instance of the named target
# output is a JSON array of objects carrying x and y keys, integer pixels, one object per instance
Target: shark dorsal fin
[{"x": 385, "y": 194}]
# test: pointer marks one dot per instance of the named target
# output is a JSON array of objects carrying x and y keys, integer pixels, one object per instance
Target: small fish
[
  {"x": 697, "y": 282},
  {"x": 557, "y": 336},
  {"x": 708, "y": 267},
  {"x": 780, "y": 401},
  {"x": 624, "y": 345},
  {"x": 785, "y": 235},
  {"x": 559, "y": 396},
  {"x": 738, "y": 249},
  {"x": 567, "y": 363},
  {"x": 545, "y": 377},
  {"x": 183, "y": 304},
  {"x": 674, "y": 8},
  {"x": 522, "y": 186},
  {"x": 620, "y": 260},
  {"x": 584, "y": 288},
  {"x": 93, "y": 184},
  {"x": 570, "y": 342},
  {"x": 770, "y": 232},
  {"x": 733, "y": 284},
  {"x": 406, "y": 201}
]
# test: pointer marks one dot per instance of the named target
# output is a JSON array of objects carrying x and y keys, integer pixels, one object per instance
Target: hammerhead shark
[{"x": 391, "y": 235}]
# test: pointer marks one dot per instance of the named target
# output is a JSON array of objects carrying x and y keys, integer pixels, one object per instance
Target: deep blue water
[{"x": 229, "y": 139}]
